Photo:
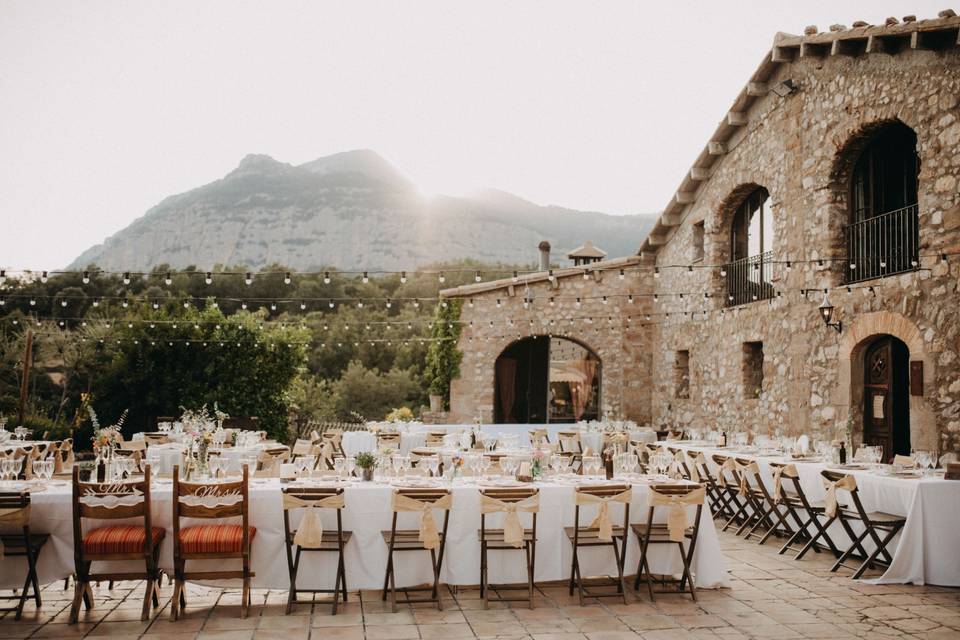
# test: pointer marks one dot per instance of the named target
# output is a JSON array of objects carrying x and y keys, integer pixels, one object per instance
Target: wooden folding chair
[
  {"x": 600, "y": 533},
  {"x": 119, "y": 542},
  {"x": 767, "y": 517},
  {"x": 311, "y": 537},
  {"x": 426, "y": 538},
  {"x": 17, "y": 541},
  {"x": 512, "y": 537},
  {"x": 874, "y": 523},
  {"x": 788, "y": 492},
  {"x": 676, "y": 531},
  {"x": 211, "y": 501},
  {"x": 727, "y": 480}
]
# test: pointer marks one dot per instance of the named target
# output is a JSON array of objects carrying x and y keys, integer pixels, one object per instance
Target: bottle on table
[
  {"x": 843, "y": 453},
  {"x": 722, "y": 440}
]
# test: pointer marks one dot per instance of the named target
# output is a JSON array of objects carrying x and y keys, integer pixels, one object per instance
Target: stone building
[{"x": 831, "y": 181}]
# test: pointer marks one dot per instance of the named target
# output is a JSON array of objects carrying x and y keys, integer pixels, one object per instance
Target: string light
[
  {"x": 86, "y": 277},
  {"x": 167, "y": 280},
  {"x": 326, "y": 277},
  {"x": 248, "y": 279},
  {"x": 209, "y": 278},
  {"x": 403, "y": 277},
  {"x": 365, "y": 278},
  {"x": 286, "y": 278}
]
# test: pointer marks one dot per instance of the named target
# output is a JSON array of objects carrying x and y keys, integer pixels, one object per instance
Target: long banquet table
[
  {"x": 925, "y": 550},
  {"x": 366, "y": 513}
]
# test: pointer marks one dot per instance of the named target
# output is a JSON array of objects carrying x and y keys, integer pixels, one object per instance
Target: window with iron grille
[
  {"x": 749, "y": 275},
  {"x": 883, "y": 235}
]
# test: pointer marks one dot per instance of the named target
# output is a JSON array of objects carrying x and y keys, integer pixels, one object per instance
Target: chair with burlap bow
[
  {"x": 310, "y": 536},
  {"x": 767, "y": 516},
  {"x": 125, "y": 541},
  {"x": 677, "y": 530},
  {"x": 426, "y": 538},
  {"x": 806, "y": 513},
  {"x": 512, "y": 537},
  {"x": 873, "y": 523},
  {"x": 211, "y": 501},
  {"x": 16, "y": 540},
  {"x": 727, "y": 480},
  {"x": 601, "y": 532}
]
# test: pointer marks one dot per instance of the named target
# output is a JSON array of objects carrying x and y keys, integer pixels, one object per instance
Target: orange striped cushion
[
  {"x": 214, "y": 538},
  {"x": 119, "y": 539}
]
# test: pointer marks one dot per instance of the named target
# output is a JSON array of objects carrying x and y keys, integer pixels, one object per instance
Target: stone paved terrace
[{"x": 772, "y": 597}]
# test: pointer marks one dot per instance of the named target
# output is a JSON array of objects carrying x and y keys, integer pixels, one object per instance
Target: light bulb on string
[
  {"x": 248, "y": 279},
  {"x": 656, "y": 272},
  {"x": 389, "y": 303},
  {"x": 156, "y": 305},
  {"x": 303, "y": 306},
  {"x": 286, "y": 278},
  {"x": 3, "y": 276},
  {"x": 622, "y": 274},
  {"x": 86, "y": 277},
  {"x": 359, "y": 304},
  {"x": 209, "y": 278},
  {"x": 43, "y": 277},
  {"x": 478, "y": 277},
  {"x": 416, "y": 304},
  {"x": 167, "y": 280},
  {"x": 441, "y": 278},
  {"x": 365, "y": 278},
  {"x": 326, "y": 277},
  {"x": 243, "y": 304},
  {"x": 403, "y": 277},
  {"x": 273, "y": 306},
  {"x": 124, "y": 304},
  {"x": 586, "y": 274},
  {"x": 215, "y": 304},
  {"x": 63, "y": 303}
]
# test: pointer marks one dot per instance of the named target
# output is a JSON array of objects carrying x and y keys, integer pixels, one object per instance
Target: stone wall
[
  {"x": 801, "y": 148},
  {"x": 612, "y": 329}
]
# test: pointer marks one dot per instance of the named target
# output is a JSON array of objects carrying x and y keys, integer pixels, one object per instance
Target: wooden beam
[
  {"x": 686, "y": 197},
  {"x": 736, "y": 118},
  {"x": 757, "y": 88},
  {"x": 699, "y": 174},
  {"x": 875, "y": 45},
  {"x": 670, "y": 219},
  {"x": 781, "y": 54},
  {"x": 716, "y": 148},
  {"x": 656, "y": 240}
]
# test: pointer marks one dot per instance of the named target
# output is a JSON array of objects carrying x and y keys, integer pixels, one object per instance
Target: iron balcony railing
[
  {"x": 883, "y": 245},
  {"x": 749, "y": 279}
]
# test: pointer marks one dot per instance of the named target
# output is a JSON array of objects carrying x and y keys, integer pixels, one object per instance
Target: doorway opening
[{"x": 543, "y": 379}]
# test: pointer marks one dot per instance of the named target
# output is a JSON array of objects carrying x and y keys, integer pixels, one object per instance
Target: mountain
[{"x": 351, "y": 211}]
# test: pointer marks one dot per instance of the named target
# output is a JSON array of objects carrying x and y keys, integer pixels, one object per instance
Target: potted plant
[{"x": 366, "y": 462}]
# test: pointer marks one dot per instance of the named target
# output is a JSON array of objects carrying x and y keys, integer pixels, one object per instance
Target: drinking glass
[
  {"x": 591, "y": 464},
  {"x": 431, "y": 464},
  {"x": 338, "y": 465}
]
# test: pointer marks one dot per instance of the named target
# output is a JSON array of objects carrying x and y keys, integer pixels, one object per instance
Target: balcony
[
  {"x": 884, "y": 245},
  {"x": 749, "y": 279}
]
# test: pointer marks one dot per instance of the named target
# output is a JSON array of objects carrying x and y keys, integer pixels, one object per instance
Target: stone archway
[{"x": 857, "y": 335}]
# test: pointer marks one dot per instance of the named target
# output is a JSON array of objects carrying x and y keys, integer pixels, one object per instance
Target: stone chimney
[{"x": 544, "y": 248}]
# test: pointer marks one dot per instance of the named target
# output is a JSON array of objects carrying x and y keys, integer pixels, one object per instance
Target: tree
[{"x": 443, "y": 356}]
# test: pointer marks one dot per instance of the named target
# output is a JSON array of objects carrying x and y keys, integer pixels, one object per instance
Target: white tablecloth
[
  {"x": 925, "y": 550},
  {"x": 171, "y": 454},
  {"x": 368, "y": 512},
  {"x": 354, "y": 442}
]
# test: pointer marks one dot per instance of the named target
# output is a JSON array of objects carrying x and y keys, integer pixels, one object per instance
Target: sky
[{"x": 107, "y": 107}]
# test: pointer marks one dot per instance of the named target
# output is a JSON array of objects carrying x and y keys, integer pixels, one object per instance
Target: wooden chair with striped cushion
[
  {"x": 118, "y": 542},
  {"x": 222, "y": 541},
  {"x": 16, "y": 540}
]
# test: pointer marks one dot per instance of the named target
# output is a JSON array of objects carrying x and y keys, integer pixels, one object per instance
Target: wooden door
[{"x": 878, "y": 396}]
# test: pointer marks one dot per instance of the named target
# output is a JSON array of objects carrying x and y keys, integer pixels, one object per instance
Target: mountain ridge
[{"x": 351, "y": 210}]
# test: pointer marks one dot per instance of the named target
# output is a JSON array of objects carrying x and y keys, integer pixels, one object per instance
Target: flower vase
[
  {"x": 367, "y": 474},
  {"x": 536, "y": 470}
]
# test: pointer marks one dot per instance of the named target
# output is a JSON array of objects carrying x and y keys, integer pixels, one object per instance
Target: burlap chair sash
[
  {"x": 790, "y": 471},
  {"x": 310, "y": 532},
  {"x": 302, "y": 447},
  {"x": 904, "y": 461},
  {"x": 602, "y": 522},
  {"x": 17, "y": 517},
  {"x": 676, "y": 467},
  {"x": 693, "y": 463},
  {"x": 429, "y": 535},
  {"x": 728, "y": 465},
  {"x": 677, "y": 515},
  {"x": 745, "y": 471},
  {"x": 512, "y": 529},
  {"x": 848, "y": 483}
]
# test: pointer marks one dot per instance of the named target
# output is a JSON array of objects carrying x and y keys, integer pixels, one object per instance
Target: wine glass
[
  {"x": 591, "y": 465},
  {"x": 338, "y": 465},
  {"x": 431, "y": 464}
]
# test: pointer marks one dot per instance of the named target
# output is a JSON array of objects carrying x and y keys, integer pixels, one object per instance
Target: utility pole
[{"x": 27, "y": 359}]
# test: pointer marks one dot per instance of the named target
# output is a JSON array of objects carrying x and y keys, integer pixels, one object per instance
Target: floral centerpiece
[
  {"x": 105, "y": 441},
  {"x": 537, "y": 462},
  {"x": 402, "y": 414},
  {"x": 199, "y": 427},
  {"x": 455, "y": 468},
  {"x": 366, "y": 462}
]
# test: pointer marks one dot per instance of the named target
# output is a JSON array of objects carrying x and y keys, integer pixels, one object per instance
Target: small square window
[
  {"x": 681, "y": 374},
  {"x": 752, "y": 369},
  {"x": 697, "y": 241}
]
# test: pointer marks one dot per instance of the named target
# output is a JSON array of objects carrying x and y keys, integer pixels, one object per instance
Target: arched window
[
  {"x": 882, "y": 236},
  {"x": 751, "y": 249}
]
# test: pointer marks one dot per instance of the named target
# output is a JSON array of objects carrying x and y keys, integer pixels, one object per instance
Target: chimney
[{"x": 544, "y": 247}]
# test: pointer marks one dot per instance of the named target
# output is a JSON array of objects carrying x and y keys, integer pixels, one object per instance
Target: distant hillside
[{"x": 351, "y": 211}]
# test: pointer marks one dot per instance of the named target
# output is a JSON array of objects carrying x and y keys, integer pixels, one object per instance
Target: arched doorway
[
  {"x": 886, "y": 399},
  {"x": 544, "y": 379}
]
